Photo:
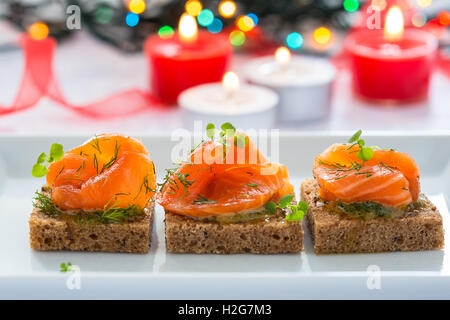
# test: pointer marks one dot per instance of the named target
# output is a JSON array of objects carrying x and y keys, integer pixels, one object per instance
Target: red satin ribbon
[{"x": 38, "y": 80}]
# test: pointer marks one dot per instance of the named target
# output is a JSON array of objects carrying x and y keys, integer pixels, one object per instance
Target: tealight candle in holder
[
  {"x": 393, "y": 64},
  {"x": 246, "y": 106},
  {"x": 186, "y": 59},
  {"x": 302, "y": 83}
]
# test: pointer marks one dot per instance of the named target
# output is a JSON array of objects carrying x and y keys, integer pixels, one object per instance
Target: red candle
[
  {"x": 392, "y": 65},
  {"x": 187, "y": 59}
]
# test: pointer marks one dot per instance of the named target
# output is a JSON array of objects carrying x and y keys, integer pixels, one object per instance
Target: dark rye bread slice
[
  {"x": 48, "y": 233},
  {"x": 275, "y": 235},
  {"x": 335, "y": 233}
]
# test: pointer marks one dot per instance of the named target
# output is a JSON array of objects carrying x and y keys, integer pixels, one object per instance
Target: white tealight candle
[
  {"x": 302, "y": 83},
  {"x": 246, "y": 106}
]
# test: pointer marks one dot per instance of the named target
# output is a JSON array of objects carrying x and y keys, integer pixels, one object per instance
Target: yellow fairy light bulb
[
  {"x": 393, "y": 27},
  {"x": 424, "y": 3},
  {"x": 322, "y": 35},
  {"x": 187, "y": 28},
  {"x": 136, "y": 6},
  {"x": 193, "y": 7},
  {"x": 418, "y": 20},
  {"x": 38, "y": 31},
  {"x": 230, "y": 82},
  {"x": 245, "y": 23},
  {"x": 378, "y": 5},
  {"x": 283, "y": 55},
  {"x": 227, "y": 9}
]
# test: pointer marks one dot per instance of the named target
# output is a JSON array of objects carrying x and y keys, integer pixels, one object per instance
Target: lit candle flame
[
  {"x": 38, "y": 31},
  {"x": 283, "y": 55},
  {"x": 393, "y": 27},
  {"x": 187, "y": 28},
  {"x": 230, "y": 82}
]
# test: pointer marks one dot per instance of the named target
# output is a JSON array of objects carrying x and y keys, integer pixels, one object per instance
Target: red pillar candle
[
  {"x": 392, "y": 66},
  {"x": 187, "y": 59}
]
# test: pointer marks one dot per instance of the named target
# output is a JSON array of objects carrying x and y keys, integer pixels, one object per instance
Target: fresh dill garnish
[
  {"x": 297, "y": 211},
  {"x": 45, "y": 204},
  {"x": 96, "y": 144},
  {"x": 112, "y": 160},
  {"x": 109, "y": 214},
  {"x": 95, "y": 163},
  {"x": 386, "y": 166},
  {"x": 104, "y": 179},
  {"x": 203, "y": 200},
  {"x": 363, "y": 153},
  {"x": 123, "y": 194},
  {"x": 172, "y": 180},
  {"x": 81, "y": 169},
  {"x": 59, "y": 173},
  {"x": 117, "y": 214},
  {"x": 40, "y": 167},
  {"x": 144, "y": 185}
]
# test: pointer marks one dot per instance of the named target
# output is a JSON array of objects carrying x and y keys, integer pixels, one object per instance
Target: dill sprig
[
  {"x": 81, "y": 169},
  {"x": 95, "y": 163},
  {"x": 363, "y": 153},
  {"x": 203, "y": 200},
  {"x": 145, "y": 186},
  {"x": 110, "y": 213},
  {"x": 45, "y": 204},
  {"x": 96, "y": 144},
  {"x": 173, "y": 180},
  {"x": 386, "y": 166},
  {"x": 117, "y": 214},
  {"x": 112, "y": 160}
]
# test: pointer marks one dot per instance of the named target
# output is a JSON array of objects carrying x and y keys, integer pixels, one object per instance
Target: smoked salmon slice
[
  {"x": 389, "y": 177},
  {"x": 109, "y": 169},
  {"x": 223, "y": 179}
]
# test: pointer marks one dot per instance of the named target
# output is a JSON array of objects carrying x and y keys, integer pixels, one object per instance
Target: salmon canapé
[
  {"x": 387, "y": 177},
  {"x": 223, "y": 179},
  {"x": 109, "y": 169}
]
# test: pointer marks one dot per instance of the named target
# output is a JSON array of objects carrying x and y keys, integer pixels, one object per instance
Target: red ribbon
[{"x": 38, "y": 80}]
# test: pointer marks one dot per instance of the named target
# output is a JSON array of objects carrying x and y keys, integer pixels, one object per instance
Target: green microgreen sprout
[
  {"x": 297, "y": 211},
  {"x": 227, "y": 130},
  {"x": 65, "y": 267},
  {"x": 40, "y": 167},
  {"x": 240, "y": 140},
  {"x": 173, "y": 179},
  {"x": 364, "y": 153}
]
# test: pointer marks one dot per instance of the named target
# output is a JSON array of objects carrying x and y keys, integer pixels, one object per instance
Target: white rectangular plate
[{"x": 25, "y": 273}]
